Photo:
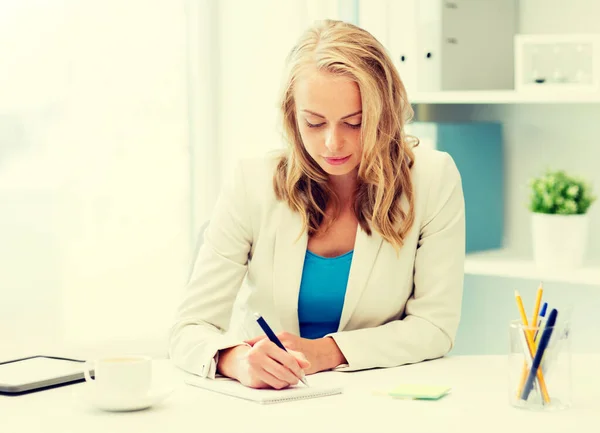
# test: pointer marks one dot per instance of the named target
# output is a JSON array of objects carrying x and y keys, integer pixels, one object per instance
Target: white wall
[
  {"x": 204, "y": 108},
  {"x": 94, "y": 168},
  {"x": 254, "y": 39}
]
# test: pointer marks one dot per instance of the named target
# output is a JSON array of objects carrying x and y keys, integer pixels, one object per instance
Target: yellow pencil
[
  {"x": 538, "y": 302},
  {"x": 536, "y": 312},
  {"x": 531, "y": 347}
]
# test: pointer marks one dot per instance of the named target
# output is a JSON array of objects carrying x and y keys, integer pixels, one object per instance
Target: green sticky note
[{"x": 419, "y": 392}]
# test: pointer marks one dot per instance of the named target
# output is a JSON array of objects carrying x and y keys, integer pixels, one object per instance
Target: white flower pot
[{"x": 559, "y": 241}]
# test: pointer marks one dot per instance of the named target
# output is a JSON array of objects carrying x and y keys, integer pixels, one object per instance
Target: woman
[{"x": 350, "y": 244}]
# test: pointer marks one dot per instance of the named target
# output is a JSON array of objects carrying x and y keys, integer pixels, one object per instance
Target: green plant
[{"x": 558, "y": 193}]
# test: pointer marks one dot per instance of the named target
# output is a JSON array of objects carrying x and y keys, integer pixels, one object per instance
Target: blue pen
[
  {"x": 539, "y": 354},
  {"x": 544, "y": 307},
  {"x": 271, "y": 335},
  {"x": 542, "y": 317}
]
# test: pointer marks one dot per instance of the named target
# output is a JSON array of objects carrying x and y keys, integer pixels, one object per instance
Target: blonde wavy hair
[{"x": 384, "y": 179}]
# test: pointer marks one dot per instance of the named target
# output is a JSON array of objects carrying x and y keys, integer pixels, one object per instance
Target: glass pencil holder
[{"x": 539, "y": 367}]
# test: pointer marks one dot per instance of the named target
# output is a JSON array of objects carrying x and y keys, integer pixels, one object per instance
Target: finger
[
  {"x": 271, "y": 381},
  {"x": 255, "y": 340},
  {"x": 264, "y": 373},
  {"x": 300, "y": 358},
  {"x": 284, "y": 358},
  {"x": 262, "y": 379},
  {"x": 279, "y": 372}
]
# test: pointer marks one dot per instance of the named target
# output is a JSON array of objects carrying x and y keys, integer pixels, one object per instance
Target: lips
[{"x": 337, "y": 160}]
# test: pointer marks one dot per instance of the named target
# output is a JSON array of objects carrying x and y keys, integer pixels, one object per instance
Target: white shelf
[
  {"x": 504, "y": 263},
  {"x": 504, "y": 97}
]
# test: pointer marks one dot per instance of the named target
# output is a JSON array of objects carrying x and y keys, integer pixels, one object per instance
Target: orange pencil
[{"x": 531, "y": 347}]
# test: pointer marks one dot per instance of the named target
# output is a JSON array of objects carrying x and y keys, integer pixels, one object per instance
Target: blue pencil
[{"x": 539, "y": 354}]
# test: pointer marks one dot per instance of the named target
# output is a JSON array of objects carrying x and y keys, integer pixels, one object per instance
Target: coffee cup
[{"x": 121, "y": 377}]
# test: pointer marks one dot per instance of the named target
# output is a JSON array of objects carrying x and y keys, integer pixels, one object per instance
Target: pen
[
  {"x": 531, "y": 346},
  {"x": 271, "y": 335},
  {"x": 539, "y": 353},
  {"x": 540, "y": 326},
  {"x": 528, "y": 357},
  {"x": 540, "y": 322},
  {"x": 544, "y": 307}
]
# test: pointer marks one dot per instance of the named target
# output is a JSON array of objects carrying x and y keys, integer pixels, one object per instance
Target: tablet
[{"x": 39, "y": 372}]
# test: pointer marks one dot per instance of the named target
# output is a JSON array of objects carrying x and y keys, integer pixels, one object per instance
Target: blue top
[{"x": 322, "y": 292}]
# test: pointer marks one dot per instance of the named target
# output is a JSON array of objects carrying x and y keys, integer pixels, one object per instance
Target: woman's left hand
[{"x": 322, "y": 353}]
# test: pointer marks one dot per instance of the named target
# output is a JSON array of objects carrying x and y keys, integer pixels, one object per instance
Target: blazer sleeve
[
  {"x": 204, "y": 314},
  {"x": 432, "y": 312}
]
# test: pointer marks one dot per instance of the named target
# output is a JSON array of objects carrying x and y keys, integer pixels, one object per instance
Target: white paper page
[{"x": 265, "y": 396}]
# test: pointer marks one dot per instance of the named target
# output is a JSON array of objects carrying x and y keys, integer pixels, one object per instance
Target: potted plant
[{"x": 559, "y": 205}]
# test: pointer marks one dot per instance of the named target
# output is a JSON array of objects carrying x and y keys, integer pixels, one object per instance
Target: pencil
[
  {"x": 536, "y": 311},
  {"x": 538, "y": 302},
  {"x": 531, "y": 347}
]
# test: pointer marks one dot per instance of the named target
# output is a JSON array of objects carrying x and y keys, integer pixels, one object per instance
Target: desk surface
[{"x": 478, "y": 402}]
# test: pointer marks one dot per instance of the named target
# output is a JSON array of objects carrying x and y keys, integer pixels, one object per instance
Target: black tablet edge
[{"x": 13, "y": 391}]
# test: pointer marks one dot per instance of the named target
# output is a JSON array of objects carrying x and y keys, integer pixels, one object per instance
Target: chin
[{"x": 336, "y": 171}]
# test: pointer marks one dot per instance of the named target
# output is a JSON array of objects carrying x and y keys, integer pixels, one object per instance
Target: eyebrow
[{"x": 323, "y": 117}]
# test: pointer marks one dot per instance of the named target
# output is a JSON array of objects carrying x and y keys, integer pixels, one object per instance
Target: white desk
[{"x": 478, "y": 403}]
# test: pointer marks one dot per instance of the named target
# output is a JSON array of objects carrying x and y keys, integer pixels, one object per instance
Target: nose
[{"x": 334, "y": 140}]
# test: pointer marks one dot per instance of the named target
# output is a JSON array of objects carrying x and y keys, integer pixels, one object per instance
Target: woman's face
[{"x": 329, "y": 113}]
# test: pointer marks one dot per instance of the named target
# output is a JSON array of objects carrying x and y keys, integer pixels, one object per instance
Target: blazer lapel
[
  {"x": 366, "y": 249},
  {"x": 288, "y": 264}
]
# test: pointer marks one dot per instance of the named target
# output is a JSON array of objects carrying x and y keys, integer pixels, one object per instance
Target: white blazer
[{"x": 398, "y": 309}]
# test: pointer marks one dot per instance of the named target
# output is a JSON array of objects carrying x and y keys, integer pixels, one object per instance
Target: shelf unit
[
  {"x": 508, "y": 264},
  {"x": 504, "y": 97}
]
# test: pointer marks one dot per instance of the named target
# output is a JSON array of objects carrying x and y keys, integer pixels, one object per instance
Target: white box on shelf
[
  {"x": 402, "y": 36},
  {"x": 557, "y": 62},
  {"x": 444, "y": 45},
  {"x": 465, "y": 44},
  {"x": 393, "y": 23}
]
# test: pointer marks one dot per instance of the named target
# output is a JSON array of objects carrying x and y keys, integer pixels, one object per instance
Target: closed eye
[{"x": 317, "y": 125}]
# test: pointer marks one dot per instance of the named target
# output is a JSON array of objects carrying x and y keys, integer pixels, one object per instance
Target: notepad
[
  {"x": 263, "y": 396},
  {"x": 419, "y": 392}
]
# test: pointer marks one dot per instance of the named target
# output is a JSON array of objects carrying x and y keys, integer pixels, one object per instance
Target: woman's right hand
[{"x": 263, "y": 365}]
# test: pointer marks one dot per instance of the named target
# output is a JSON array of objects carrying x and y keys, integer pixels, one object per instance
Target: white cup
[{"x": 125, "y": 376}]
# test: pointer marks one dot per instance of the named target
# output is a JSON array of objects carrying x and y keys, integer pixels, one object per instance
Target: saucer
[{"x": 88, "y": 393}]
